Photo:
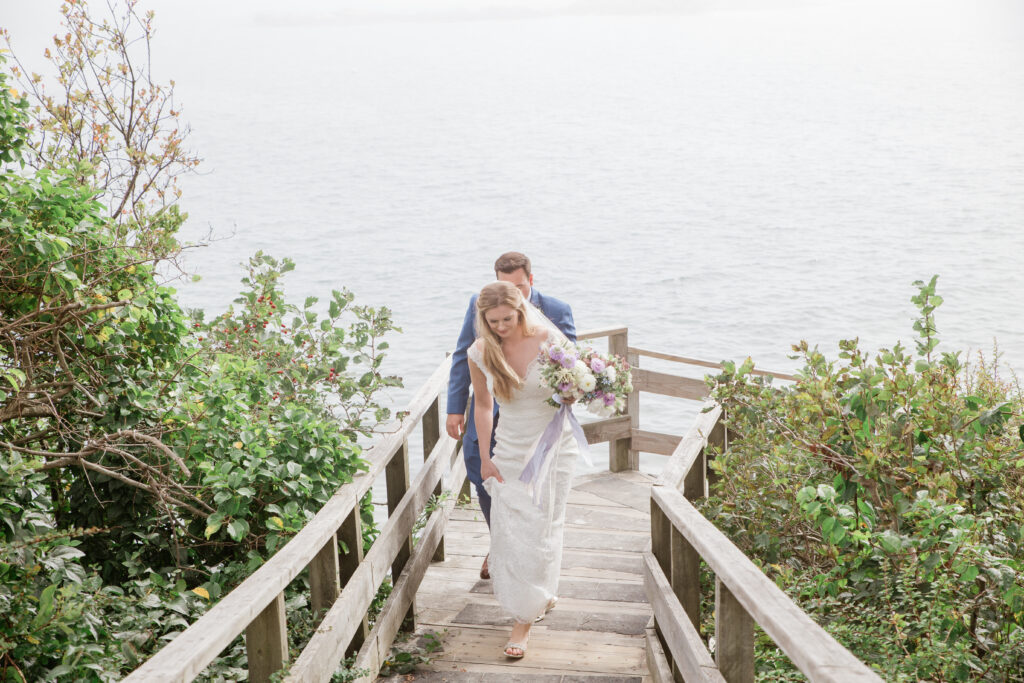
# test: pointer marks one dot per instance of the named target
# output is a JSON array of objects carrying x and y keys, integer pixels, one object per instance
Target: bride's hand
[{"x": 488, "y": 469}]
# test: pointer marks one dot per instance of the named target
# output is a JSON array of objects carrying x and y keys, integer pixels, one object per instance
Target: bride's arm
[{"x": 483, "y": 409}]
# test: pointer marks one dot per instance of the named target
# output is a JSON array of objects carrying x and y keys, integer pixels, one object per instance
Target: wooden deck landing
[{"x": 596, "y": 633}]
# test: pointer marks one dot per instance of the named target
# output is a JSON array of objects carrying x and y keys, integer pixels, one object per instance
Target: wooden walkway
[{"x": 596, "y": 633}]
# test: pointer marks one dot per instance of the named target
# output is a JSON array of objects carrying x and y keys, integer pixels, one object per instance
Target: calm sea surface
[{"x": 724, "y": 178}]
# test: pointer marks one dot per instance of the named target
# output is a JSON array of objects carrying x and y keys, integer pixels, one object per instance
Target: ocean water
[{"x": 724, "y": 178}]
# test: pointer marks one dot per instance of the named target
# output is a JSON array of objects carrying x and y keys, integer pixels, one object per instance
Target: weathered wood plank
[
  {"x": 655, "y": 442},
  {"x": 608, "y": 429},
  {"x": 685, "y": 576},
  {"x": 633, "y": 410},
  {"x": 323, "y": 577},
  {"x": 550, "y": 651},
  {"x": 686, "y": 648},
  {"x": 266, "y": 641},
  {"x": 605, "y": 520},
  {"x": 611, "y": 540},
  {"x": 809, "y": 647},
  {"x": 734, "y": 637},
  {"x": 665, "y": 384},
  {"x": 609, "y": 591},
  {"x": 397, "y": 476},
  {"x": 705, "y": 363},
  {"x": 431, "y": 433},
  {"x": 350, "y": 539},
  {"x": 688, "y": 454},
  {"x": 600, "y": 332},
  {"x": 657, "y": 663},
  {"x": 620, "y": 451},
  {"x": 619, "y": 490},
  {"x": 510, "y": 673}
]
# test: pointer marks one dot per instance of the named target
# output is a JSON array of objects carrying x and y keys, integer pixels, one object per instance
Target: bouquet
[
  {"x": 574, "y": 375},
  {"x": 582, "y": 375}
]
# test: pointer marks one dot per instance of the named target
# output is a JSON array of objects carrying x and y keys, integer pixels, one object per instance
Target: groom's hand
[{"x": 455, "y": 425}]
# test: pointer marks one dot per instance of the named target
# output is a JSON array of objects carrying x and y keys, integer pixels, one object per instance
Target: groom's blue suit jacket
[{"x": 556, "y": 311}]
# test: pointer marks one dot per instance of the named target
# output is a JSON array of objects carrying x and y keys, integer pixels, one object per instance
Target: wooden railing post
[
  {"x": 685, "y": 576},
  {"x": 396, "y": 475},
  {"x": 633, "y": 410},
  {"x": 431, "y": 435},
  {"x": 350, "y": 536},
  {"x": 734, "y": 637},
  {"x": 695, "y": 481},
  {"x": 323, "y": 578},
  {"x": 621, "y": 456},
  {"x": 661, "y": 548},
  {"x": 266, "y": 641}
]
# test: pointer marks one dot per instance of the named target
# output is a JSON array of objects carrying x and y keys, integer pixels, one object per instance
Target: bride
[{"x": 526, "y": 540}]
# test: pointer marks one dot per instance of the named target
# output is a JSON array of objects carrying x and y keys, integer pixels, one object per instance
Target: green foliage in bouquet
[{"x": 885, "y": 493}]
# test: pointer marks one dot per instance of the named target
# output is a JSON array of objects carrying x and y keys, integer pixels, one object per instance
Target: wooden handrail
[
  {"x": 601, "y": 332},
  {"x": 811, "y": 649},
  {"x": 706, "y": 364},
  {"x": 680, "y": 538},
  {"x": 257, "y": 600},
  {"x": 326, "y": 648}
]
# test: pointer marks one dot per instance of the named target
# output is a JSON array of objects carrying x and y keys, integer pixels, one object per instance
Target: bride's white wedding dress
[{"x": 526, "y": 540}]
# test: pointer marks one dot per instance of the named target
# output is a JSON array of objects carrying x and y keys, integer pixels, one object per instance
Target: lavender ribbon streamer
[{"x": 552, "y": 433}]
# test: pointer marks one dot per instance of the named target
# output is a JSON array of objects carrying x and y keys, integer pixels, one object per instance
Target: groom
[{"x": 511, "y": 267}]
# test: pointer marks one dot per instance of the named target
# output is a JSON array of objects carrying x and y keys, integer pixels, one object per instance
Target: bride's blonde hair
[{"x": 496, "y": 294}]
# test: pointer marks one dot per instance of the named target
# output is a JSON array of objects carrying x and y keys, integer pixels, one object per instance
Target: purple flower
[
  {"x": 609, "y": 399},
  {"x": 596, "y": 364},
  {"x": 564, "y": 386},
  {"x": 569, "y": 361},
  {"x": 556, "y": 353}
]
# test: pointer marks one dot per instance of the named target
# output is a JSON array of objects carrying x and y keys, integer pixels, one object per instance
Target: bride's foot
[
  {"x": 515, "y": 648},
  {"x": 550, "y": 606}
]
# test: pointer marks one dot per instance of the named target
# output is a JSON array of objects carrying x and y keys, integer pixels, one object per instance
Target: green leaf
[
  {"x": 238, "y": 529},
  {"x": 889, "y": 541},
  {"x": 46, "y": 606}
]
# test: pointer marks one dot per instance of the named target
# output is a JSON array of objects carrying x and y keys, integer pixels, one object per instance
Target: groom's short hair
[{"x": 511, "y": 261}]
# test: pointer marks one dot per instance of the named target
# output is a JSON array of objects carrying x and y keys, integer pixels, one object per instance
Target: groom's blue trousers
[{"x": 471, "y": 455}]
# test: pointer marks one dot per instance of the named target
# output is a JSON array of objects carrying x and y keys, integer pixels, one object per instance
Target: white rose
[
  {"x": 580, "y": 370},
  {"x": 609, "y": 372},
  {"x": 588, "y": 383}
]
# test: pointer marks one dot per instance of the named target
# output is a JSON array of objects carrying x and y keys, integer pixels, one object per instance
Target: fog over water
[{"x": 725, "y": 178}]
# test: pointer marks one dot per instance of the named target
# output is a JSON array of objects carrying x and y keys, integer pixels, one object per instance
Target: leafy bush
[
  {"x": 149, "y": 461},
  {"x": 885, "y": 492}
]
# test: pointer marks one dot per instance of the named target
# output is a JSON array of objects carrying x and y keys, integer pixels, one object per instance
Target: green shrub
[
  {"x": 150, "y": 461},
  {"x": 885, "y": 493}
]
